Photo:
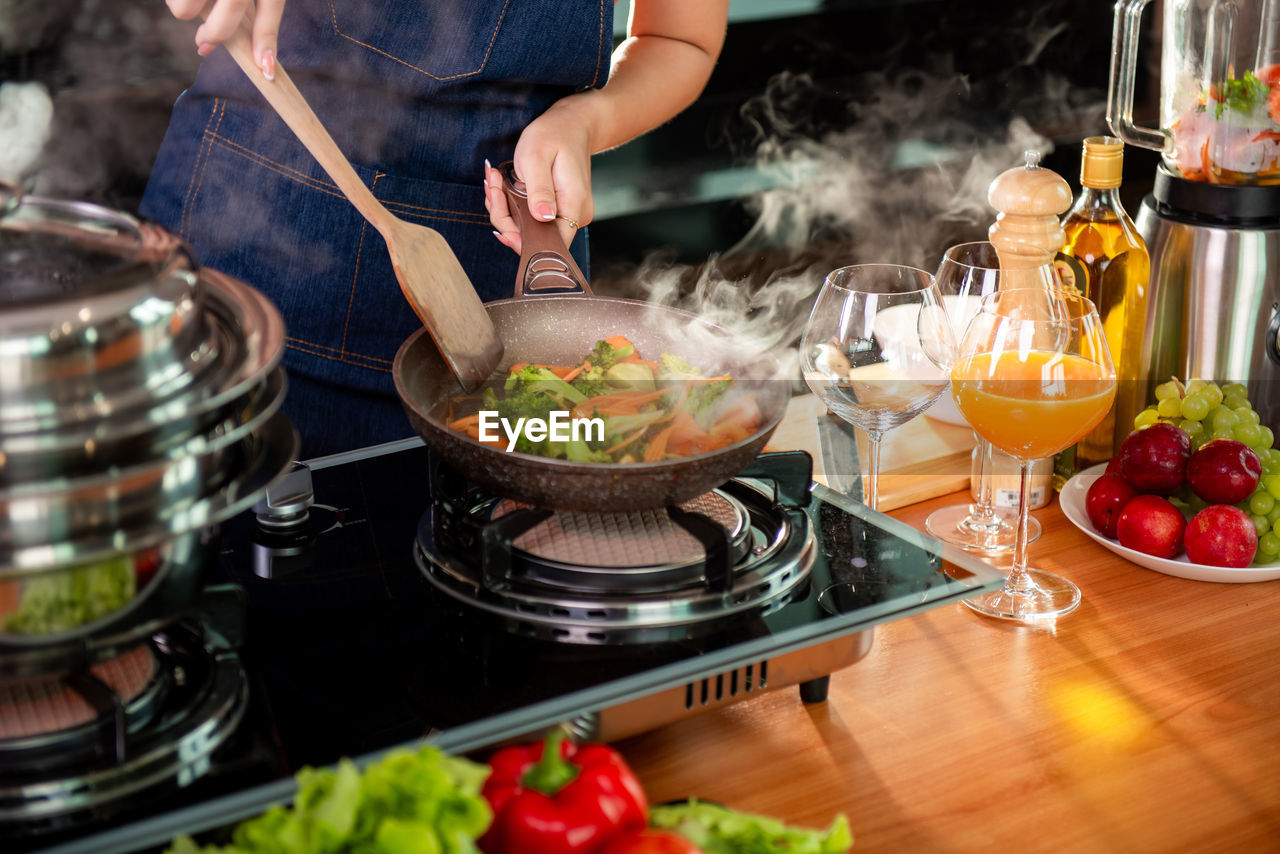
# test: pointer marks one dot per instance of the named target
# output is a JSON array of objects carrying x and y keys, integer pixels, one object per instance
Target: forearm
[{"x": 660, "y": 69}]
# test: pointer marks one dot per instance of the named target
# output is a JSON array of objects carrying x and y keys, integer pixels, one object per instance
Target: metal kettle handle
[
  {"x": 1124, "y": 70},
  {"x": 545, "y": 262}
]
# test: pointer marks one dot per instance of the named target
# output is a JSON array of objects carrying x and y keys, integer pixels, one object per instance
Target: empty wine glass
[
  {"x": 967, "y": 273},
  {"x": 872, "y": 348},
  {"x": 1033, "y": 376}
]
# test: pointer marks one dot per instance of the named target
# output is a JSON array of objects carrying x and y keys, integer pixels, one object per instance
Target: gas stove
[{"x": 376, "y": 599}]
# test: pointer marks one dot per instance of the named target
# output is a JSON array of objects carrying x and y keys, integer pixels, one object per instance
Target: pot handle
[{"x": 545, "y": 263}]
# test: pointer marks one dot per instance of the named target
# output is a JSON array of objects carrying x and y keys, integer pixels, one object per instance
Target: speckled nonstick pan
[{"x": 554, "y": 319}]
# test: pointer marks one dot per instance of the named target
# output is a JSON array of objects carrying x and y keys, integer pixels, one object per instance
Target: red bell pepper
[{"x": 556, "y": 797}]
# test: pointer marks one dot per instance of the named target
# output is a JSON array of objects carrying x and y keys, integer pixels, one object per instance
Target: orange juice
[{"x": 1032, "y": 405}]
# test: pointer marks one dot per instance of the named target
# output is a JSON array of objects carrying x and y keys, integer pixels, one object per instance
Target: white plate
[{"x": 1072, "y": 500}]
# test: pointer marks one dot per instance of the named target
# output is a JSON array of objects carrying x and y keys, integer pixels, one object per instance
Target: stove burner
[
  {"x": 646, "y": 550},
  {"x": 50, "y": 776},
  {"x": 52, "y": 704},
  {"x": 541, "y": 578}
]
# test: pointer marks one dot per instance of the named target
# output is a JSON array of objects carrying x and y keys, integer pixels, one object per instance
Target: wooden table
[{"x": 1148, "y": 720}]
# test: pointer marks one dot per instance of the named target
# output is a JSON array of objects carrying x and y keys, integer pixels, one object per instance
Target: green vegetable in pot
[
  {"x": 719, "y": 830},
  {"x": 408, "y": 802},
  {"x": 58, "y": 600}
]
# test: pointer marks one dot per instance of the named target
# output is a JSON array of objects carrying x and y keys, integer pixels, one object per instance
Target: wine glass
[
  {"x": 1032, "y": 376},
  {"x": 967, "y": 273},
  {"x": 872, "y": 348}
]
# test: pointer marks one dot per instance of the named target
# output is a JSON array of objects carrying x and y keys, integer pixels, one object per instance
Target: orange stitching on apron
[
  {"x": 221, "y": 112},
  {"x": 198, "y": 168},
  {"x": 428, "y": 213},
  {"x": 355, "y": 275},
  {"x": 599, "y": 44},
  {"x": 357, "y": 359},
  {"x": 279, "y": 168},
  {"x": 326, "y": 187},
  {"x": 333, "y": 13}
]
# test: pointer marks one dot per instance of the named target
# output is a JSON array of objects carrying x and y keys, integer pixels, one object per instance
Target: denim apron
[{"x": 417, "y": 94}]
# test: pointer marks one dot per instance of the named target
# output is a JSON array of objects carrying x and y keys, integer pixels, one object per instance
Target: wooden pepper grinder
[{"x": 1029, "y": 201}]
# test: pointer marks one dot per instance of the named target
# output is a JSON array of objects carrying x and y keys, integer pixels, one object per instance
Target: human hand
[
  {"x": 222, "y": 17},
  {"x": 553, "y": 159}
]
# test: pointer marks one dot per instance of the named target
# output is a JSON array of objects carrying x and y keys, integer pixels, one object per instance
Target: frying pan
[{"x": 554, "y": 318}]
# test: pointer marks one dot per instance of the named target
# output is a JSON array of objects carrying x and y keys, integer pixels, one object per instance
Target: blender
[{"x": 1212, "y": 220}]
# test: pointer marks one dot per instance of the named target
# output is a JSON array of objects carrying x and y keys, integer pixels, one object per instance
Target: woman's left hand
[{"x": 553, "y": 159}]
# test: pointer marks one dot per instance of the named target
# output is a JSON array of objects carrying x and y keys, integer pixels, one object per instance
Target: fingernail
[
  {"x": 545, "y": 211},
  {"x": 204, "y": 49},
  {"x": 498, "y": 234},
  {"x": 487, "y": 167},
  {"x": 269, "y": 65}
]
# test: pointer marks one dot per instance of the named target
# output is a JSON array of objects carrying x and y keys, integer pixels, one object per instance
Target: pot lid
[{"x": 52, "y": 252}]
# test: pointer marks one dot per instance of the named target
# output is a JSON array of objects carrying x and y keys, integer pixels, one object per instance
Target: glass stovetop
[{"x": 354, "y": 651}]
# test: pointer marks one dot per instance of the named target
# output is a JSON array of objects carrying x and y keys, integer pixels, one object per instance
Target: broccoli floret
[
  {"x": 580, "y": 452},
  {"x": 673, "y": 367},
  {"x": 605, "y": 355},
  {"x": 591, "y": 382},
  {"x": 702, "y": 399},
  {"x": 534, "y": 380}
]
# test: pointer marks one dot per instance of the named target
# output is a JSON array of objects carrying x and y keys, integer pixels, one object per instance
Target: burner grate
[
  {"x": 640, "y": 538},
  {"x": 770, "y": 551},
  {"x": 44, "y": 706}
]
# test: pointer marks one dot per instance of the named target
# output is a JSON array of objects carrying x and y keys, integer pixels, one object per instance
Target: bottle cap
[{"x": 1102, "y": 164}]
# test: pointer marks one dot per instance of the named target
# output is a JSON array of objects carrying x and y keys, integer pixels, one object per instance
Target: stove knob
[{"x": 287, "y": 502}]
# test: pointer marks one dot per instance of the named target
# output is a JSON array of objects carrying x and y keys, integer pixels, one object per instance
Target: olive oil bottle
[{"x": 1107, "y": 260}]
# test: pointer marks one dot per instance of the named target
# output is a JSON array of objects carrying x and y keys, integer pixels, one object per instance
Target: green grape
[
  {"x": 1274, "y": 515},
  {"x": 1193, "y": 429},
  {"x": 1194, "y": 385},
  {"x": 1167, "y": 391},
  {"x": 1195, "y": 407},
  {"x": 1146, "y": 418},
  {"x": 1261, "y": 502},
  {"x": 1233, "y": 403},
  {"x": 1268, "y": 437},
  {"x": 1237, "y": 389},
  {"x": 1271, "y": 462},
  {"x": 1169, "y": 407},
  {"x": 1269, "y": 545},
  {"x": 1229, "y": 433},
  {"x": 1260, "y": 524},
  {"x": 1212, "y": 393},
  {"x": 1223, "y": 419},
  {"x": 1247, "y": 415},
  {"x": 1271, "y": 483},
  {"x": 1250, "y": 434}
]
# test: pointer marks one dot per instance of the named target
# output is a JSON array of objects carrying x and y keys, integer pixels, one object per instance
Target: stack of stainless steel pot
[{"x": 139, "y": 408}]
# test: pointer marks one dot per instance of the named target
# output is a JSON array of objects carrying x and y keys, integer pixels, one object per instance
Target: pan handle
[{"x": 545, "y": 263}]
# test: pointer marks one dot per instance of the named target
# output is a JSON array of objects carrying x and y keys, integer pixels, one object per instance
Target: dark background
[{"x": 917, "y": 95}]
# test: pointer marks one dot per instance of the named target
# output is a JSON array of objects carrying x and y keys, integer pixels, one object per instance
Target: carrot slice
[
  {"x": 617, "y": 342},
  {"x": 569, "y": 377},
  {"x": 657, "y": 445},
  {"x": 465, "y": 421}
]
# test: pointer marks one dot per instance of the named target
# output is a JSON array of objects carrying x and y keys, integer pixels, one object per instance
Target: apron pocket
[{"x": 442, "y": 39}]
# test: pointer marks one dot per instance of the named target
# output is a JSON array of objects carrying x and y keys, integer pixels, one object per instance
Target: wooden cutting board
[{"x": 923, "y": 458}]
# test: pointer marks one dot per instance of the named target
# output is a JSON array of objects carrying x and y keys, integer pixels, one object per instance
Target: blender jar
[{"x": 1219, "y": 88}]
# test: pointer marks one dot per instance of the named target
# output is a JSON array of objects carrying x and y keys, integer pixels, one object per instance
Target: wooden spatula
[{"x": 429, "y": 274}]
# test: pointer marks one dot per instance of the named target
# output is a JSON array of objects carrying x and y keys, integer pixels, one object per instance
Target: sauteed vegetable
[{"x": 612, "y": 407}]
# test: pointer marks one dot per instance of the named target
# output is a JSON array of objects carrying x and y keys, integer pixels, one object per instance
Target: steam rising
[
  {"x": 902, "y": 176},
  {"x": 26, "y": 115}
]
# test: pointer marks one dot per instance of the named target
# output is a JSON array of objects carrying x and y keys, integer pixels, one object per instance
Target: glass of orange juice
[
  {"x": 1032, "y": 376},
  {"x": 967, "y": 273}
]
